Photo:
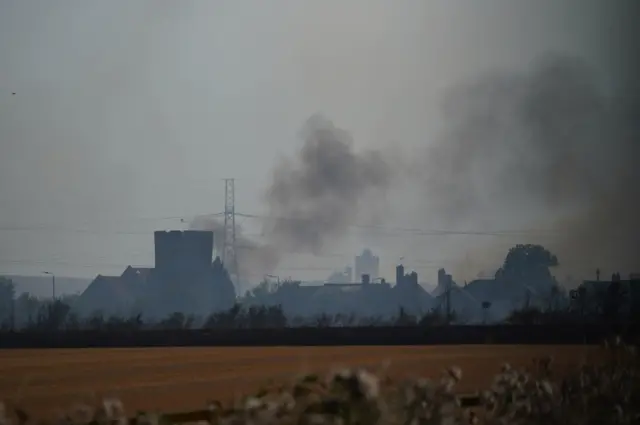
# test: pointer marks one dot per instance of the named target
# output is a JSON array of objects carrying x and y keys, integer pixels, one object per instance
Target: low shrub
[{"x": 602, "y": 392}]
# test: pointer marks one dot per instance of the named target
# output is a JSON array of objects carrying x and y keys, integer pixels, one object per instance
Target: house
[
  {"x": 465, "y": 307},
  {"x": 107, "y": 296},
  {"x": 367, "y": 263},
  {"x": 184, "y": 279},
  {"x": 501, "y": 297},
  {"x": 591, "y": 296},
  {"x": 136, "y": 274},
  {"x": 362, "y": 299}
]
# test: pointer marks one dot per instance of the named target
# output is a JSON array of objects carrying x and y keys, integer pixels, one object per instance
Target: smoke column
[
  {"x": 549, "y": 147},
  {"x": 317, "y": 194},
  {"x": 254, "y": 259}
]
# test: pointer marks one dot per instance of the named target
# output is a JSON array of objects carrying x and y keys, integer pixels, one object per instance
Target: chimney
[
  {"x": 365, "y": 279},
  {"x": 399, "y": 274}
]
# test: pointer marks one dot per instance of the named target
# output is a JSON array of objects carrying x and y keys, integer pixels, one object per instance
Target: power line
[
  {"x": 44, "y": 229},
  {"x": 391, "y": 231},
  {"x": 91, "y": 227},
  {"x": 63, "y": 263},
  {"x": 419, "y": 231}
]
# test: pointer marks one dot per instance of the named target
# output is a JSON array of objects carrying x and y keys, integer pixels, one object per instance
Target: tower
[
  {"x": 229, "y": 257},
  {"x": 367, "y": 263}
]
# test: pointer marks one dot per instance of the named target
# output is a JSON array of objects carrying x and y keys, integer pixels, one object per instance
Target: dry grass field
[{"x": 178, "y": 379}]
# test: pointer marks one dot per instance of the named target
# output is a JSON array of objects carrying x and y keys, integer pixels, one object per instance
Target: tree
[
  {"x": 26, "y": 309},
  {"x": 7, "y": 302},
  {"x": 52, "y": 316},
  {"x": 177, "y": 320},
  {"x": 529, "y": 265},
  {"x": 405, "y": 319}
]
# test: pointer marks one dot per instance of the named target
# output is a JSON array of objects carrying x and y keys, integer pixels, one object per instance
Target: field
[{"x": 179, "y": 379}]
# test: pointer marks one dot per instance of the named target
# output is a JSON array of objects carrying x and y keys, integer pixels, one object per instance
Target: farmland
[{"x": 178, "y": 379}]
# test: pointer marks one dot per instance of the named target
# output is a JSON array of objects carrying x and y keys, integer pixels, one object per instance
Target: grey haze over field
[{"x": 127, "y": 115}]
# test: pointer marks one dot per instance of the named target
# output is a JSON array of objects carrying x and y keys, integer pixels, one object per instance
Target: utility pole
[{"x": 229, "y": 257}]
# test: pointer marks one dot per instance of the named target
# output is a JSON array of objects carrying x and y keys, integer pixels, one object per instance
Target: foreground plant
[{"x": 606, "y": 392}]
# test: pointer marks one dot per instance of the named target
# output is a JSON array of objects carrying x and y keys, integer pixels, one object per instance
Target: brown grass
[{"x": 178, "y": 379}]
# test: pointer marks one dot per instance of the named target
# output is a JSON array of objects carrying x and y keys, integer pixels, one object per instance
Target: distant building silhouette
[
  {"x": 367, "y": 263},
  {"x": 594, "y": 297},
  {"x": 345, "y": 276},
  {"x": 367, "y": 298},
  {"x": 184, "y": 279}
]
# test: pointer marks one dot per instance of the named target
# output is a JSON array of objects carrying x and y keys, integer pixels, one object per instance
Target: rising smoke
[
  {"x": 313, "y": 197},
  {"x": 544, "y": 149},
  {"x": 255, "y": 259},
  {"x": 317, "y": 195},
  {"x": 548, "y": 147}
]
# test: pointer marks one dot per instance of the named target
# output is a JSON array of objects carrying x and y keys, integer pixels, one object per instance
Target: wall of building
[{"x": 183, "y": 249}]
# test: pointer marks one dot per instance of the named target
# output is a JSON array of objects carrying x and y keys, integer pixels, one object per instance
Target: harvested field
[{"x": 178, "y": 379}]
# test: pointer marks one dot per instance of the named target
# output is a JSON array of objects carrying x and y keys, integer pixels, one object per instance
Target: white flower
[
  {"x": 344, "y": 374},
  {"x": 456, "y": 373},
  {"x": 252, "y": 403},
  {"x": 113, "y": 408},
  {"x": 448, "y": 384},
  {"x": 368, "y": 384},
  {"x": 546, "y": 387}
]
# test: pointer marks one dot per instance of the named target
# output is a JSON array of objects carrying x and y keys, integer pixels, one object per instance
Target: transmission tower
[{"x": 229, "y": 257}]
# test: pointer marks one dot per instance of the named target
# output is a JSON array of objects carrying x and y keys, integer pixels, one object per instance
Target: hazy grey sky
[{"x": 127, "y": 113}]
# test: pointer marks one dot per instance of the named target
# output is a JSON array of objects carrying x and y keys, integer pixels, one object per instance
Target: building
[
  {"x": 367, "y": 263},
  {"x": 364, "y": 299},
  {"x": 107, "y": 296},
  {"x": 345, "y": 276},
  {"x": 184, "y": 279},
  {"x": 180, "y": 251},
  {"x": 408, "y": 294},
  {"x": 594, "y": 297}
]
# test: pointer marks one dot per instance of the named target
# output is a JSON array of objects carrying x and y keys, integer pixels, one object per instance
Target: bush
[{"x": 597, "y": 393}]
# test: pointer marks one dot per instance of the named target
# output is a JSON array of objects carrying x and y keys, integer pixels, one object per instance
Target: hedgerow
[{"x": 606, "y": 391}]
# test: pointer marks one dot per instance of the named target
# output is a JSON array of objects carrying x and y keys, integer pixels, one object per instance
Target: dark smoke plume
[
  {"x": 544, "y": 149},
  {"x": 317, "y": 195},
  {"x": 254, "y": 259},
  {"x": 548, "y": 146}
]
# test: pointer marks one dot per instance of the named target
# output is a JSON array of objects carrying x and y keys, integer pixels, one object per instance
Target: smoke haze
[
  {"x": 254, "y": 260},
  {"x": 127, "y": 115},
  {"x": 544, "y": 149},
  {"x": 317, "y": 195}
]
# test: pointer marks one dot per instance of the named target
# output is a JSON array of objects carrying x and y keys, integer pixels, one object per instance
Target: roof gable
[{"x": 136, "y": 272}]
